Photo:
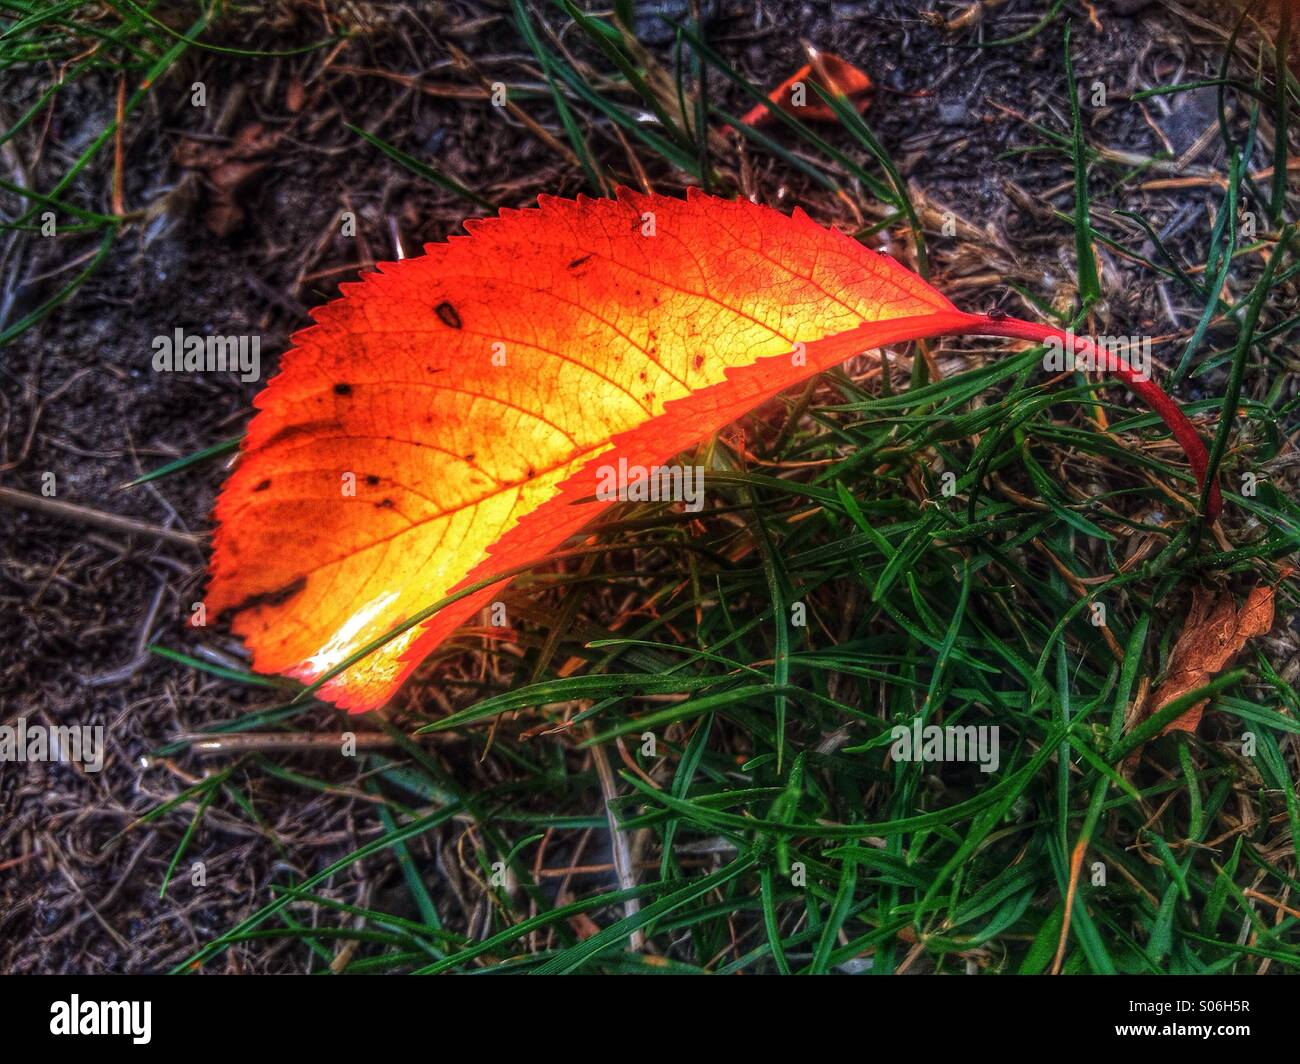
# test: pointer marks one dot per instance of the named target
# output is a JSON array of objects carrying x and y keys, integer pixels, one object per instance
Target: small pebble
[{"x": 952, "y": 114}]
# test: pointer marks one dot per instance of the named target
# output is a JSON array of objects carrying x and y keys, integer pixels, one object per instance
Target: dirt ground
[{"x": 227, "y": 252}]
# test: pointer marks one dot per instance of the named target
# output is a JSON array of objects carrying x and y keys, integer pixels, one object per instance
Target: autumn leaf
[
  {"x": 1213, "y": 634},
  {"x": 453, "y": 417},
  {"x": 796, "y": 96}
]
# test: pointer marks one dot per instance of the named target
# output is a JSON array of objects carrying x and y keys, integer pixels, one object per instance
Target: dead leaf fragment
[
  {"x": 227, "y": 169},
  {"x": 796, "y": 97},
  {"x": 295, "y": 96},
  {"x": 1214, "y": 633}
]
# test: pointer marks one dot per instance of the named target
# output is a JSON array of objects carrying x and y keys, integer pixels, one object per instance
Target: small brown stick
[
  {"x": 642, "y": 178},
  {"x": 467, "y": 66},
  {"x": 118, "y": 155},
  {"x": 1080, "y": 589},
  {"x": 441, "y": 90},
  {"x": 69, "y": 511},
  {"x": 14, "y": 862},
  {"x": 275, "y": 742},
  {"x": 1076, "y": 863},
  {"x": 1216, "y": 180},
  {"x": 1282, "y": 908}
]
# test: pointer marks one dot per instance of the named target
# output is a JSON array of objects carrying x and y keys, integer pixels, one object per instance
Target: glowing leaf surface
[{"x": 446, "y": 419}]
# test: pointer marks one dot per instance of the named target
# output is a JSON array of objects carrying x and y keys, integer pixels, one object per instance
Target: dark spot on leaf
[
  {"x": 307, "y": 428},
  {"x": 276, "y": 597},
  {"x": 384, "y": 504},
  {"x": 342, "y": 389},
  {"x": 447, "y": 315},
  {"x": 264, "y": 485},
  {"x": 371, "y": 479},
  {"x": 579, "y": 261}
]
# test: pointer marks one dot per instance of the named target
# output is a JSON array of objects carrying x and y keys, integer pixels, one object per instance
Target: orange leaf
[
  {"x": 452, "y": 416},
  {"x": 1213, "y": 634},
  {"x": 835, "y": 75}
]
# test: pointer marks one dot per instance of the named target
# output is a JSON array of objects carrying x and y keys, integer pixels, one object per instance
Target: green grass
[
  {"x": 86, "y": 40},
  {"x": 779, "y": 834}
]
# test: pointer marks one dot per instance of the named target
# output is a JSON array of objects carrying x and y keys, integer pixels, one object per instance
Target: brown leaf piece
[
  {"x": 1214, "y": 633},
  {"x": 227, "y": 169}
]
